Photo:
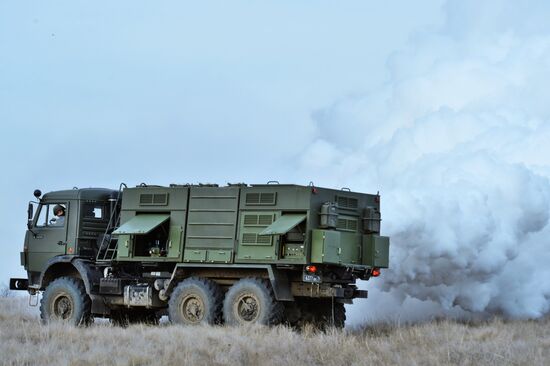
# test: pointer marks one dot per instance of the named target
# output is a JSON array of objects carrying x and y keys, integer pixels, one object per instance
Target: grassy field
[{"x": 24, "y": 341}]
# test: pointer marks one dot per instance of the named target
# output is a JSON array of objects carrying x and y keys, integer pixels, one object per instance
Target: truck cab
[{"x": 50, "y": 238}]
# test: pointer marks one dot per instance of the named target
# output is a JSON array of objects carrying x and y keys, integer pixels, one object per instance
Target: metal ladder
[{"x": 110, "y": 252}]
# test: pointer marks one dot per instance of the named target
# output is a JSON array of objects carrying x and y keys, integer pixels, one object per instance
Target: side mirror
[
  {"x": 30, "y": 215},
  {"x": 37, "y": 193}
]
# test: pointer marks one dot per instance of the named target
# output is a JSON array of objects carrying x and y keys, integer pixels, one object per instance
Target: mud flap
[{"x": 280, "y": 284}]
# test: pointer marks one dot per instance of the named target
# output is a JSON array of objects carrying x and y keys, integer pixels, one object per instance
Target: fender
[{"x": 70, "y": 265}]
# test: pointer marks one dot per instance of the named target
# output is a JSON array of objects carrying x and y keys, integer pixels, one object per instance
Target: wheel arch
[{"x": 70, "y": 266}]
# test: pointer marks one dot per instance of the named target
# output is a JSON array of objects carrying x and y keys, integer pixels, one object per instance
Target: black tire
[
  {"x": 292, "y": 315},
  {"x": 330, "y": 315},
  {"x": 126, "y": 317},
  {"x": 321, "y": 313},
  {"x": 195, "y": 301},
  {"x": 251, "y": 301},
  {"x": 65, "y": 299}
]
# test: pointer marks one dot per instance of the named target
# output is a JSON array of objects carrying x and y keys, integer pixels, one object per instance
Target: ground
[{"x": 24, "y": 341}]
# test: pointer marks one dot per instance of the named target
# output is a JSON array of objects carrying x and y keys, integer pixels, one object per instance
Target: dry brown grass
[{"x": 23, "y": 341}]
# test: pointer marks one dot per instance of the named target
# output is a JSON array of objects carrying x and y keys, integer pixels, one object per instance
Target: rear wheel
[
  {"x": 195, "y": 301},
  {"x": 330, "y": 314},
  {"x": 321, "y": 313},
  {"x": 65, "y": 299},
  {"x": 251, "y": 301}
]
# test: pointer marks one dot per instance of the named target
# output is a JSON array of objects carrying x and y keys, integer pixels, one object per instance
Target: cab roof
[{"x": 80, "y": 194}]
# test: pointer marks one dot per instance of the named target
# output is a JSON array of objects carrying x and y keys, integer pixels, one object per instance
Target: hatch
[
  {"x": 283, "y": 224},
  {"x": 141, "y": 224}
]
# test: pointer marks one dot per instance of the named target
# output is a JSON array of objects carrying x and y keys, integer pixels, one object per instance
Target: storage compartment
[
  {"x": 110, "y": 286},
  {"x": 292, "y": 242},
  {"x": 219, "y": 256},
  {"x": 154, "y": 243},
  {"x": 124, "y": 246},
  {"x": 141, "y": 295},
  {"x": 329, "y": 246},
  {"x": 376, "y": 250},
  {"x": 371, "y": 220},
  {"x": 138, "y": 295},
  {"x": 144, "y": 235},
  {"x": 328, "y": 217},
  {"x": 194, "y": 255}
]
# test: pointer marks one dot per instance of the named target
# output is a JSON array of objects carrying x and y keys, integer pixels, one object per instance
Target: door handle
[{"x": 61, "y": 243}]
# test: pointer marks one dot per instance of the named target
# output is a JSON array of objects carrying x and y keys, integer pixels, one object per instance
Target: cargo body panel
[{"x": 278, "y": 224}]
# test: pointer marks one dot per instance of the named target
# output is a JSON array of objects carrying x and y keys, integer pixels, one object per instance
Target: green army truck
[{"x": 202, "y": 254}]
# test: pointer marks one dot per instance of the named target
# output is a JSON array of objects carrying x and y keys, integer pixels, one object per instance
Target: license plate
[{"x": 311, "y": 278}]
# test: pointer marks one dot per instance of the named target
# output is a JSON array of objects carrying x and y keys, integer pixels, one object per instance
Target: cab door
[{"x": 49, "y": 238}]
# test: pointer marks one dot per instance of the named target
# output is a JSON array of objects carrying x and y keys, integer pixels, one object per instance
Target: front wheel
[{"x": 65, "y": 299}]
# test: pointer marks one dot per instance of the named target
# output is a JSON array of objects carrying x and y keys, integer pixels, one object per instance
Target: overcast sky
[{"x": 97, "y": 93}]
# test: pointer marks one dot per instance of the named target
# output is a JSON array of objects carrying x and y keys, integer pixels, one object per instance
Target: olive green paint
[{"x": 376, "y": 251}]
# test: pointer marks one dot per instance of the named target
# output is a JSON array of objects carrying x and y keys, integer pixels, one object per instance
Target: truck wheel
[
  {"x": 251, "y": 301},
  {"x": 65, "y": 299},
  {"x": 195, "y": 301},
  {"x": 324, "y": 315},
  {"x": 292, "y": 315},
  {"x": 322, "y": 312},
  {"x": 319, "y": 313}
]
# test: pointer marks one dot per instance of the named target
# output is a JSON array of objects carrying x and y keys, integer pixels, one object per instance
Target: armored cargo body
[{"x": 263, "y": 253}]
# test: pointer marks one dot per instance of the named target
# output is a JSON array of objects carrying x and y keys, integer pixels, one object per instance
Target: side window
[
  {"x": 98, "y": 212},
  {"x": 93, "y": 210},
  {"x": 52, "y": 215}
]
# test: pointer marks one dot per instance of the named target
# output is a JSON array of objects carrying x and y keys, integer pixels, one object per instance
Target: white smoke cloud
[{"x": 458, "y": 140}]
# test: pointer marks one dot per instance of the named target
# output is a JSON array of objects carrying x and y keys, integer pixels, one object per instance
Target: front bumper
[{"x": 19, "y": 284}]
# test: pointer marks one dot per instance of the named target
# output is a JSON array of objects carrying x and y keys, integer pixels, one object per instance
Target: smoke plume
[{"x": 458, "y": 141}]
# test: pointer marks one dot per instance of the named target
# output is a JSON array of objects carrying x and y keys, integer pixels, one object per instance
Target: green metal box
[
  {"x": 376, "y": 250},
  {"x": 330, "y": 246},
  {"x": 124, "y": 246},
  {"x": 194, "y": 255},
  {"x": 175, "y": 241},
  {"x": 325, "y": 246},
  {"x": 219, "y": 256}
]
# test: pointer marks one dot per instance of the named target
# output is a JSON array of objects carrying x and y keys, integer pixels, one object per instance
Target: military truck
[{"x": 201, "y": 254}]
